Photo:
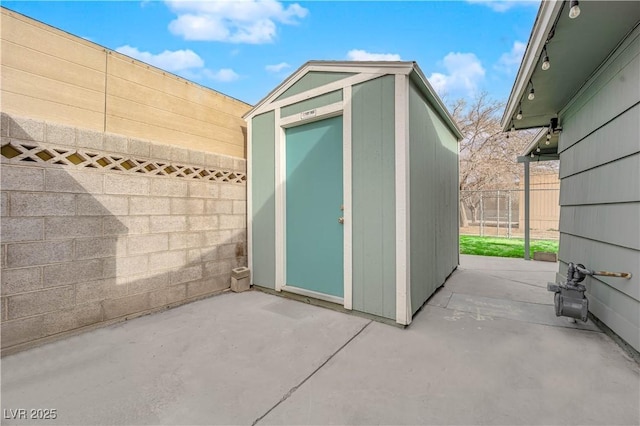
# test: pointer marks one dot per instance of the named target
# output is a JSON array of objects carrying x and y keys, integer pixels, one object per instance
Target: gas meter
[{"x": 569, "y": 298}]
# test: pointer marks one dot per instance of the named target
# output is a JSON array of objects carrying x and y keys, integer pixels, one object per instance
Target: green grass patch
[{"x": 503, "y": 247}]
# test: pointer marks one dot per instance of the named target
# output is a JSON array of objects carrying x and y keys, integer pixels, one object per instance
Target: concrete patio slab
[
  {"x": 482, "y": 283},
  {"x": 494, "y": 264},
  {"x": 469, "y": 359},
  {"x": 223, "y": 360},
  {"x": 489, "y": 308},
  {"x": 448, "y": 369},
  {"x": 254, "y": 358}
]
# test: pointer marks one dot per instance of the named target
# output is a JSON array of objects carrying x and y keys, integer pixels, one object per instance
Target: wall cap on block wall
[
  {"x": 26, "y": 152},
  {"x": 73, "y": 138}
]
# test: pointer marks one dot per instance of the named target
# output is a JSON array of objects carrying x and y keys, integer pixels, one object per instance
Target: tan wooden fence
[
  {"x": 501, "y": 212},
  {"x": 544, "y": 202}
]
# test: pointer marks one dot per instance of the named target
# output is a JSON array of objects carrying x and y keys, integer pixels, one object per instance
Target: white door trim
[
  {"x": 249, "y": 175},
  {"x": 320, "y": 113},
  {"x": 342, "y": 108},
  {"x": 314, "y": 294},
  {"x": 403, "y": 290},
  {"x": 347, "y": 197},
  {"x": 280, "y": 181}
]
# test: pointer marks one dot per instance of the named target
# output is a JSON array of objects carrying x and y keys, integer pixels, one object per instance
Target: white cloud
[
  {"x": 234, "y": 21},
  {"x": 464, "y": 72},
  {"x": 504, "y": 5},
  {"x": 176, "y": 60},
  {"x": 277, "y": 67},
  {"x": 224, "y": 75},
  {"x": 363, "y": 55},
  {"x": 510, "y": 61},
  {"x": 186, "y": 63}
]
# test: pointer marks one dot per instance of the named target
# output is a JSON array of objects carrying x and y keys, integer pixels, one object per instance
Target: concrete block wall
[{"x": 99, "y": 227}]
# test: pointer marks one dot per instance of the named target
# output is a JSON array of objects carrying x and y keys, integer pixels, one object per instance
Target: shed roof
[{"x": 409, "y": 68}]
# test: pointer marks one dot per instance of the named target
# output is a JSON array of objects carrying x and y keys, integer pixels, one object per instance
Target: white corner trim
[
  {"x": 249, "y": 200},
  {"x": 403, "y": 290},
  {"x": 280, "y": 176},
  {"x": 347, "y": 198},
  {"x": 320, "y": 113}
]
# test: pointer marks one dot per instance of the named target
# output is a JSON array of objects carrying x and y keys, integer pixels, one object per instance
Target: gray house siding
[
  {"x": 433, "y": 194},
  {"x": 373, "y": 174},
  {"x": 262, "y": 175},
  {"x": 600, "y": 188}
]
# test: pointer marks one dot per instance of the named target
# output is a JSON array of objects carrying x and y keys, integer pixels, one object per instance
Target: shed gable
[{"x": 311, "y": 80}]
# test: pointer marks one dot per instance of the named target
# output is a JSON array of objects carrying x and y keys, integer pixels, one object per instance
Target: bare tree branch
[{"x": 488, "y": 157}]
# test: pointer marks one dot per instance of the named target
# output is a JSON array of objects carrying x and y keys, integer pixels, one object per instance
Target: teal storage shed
[{"x": 353, "y": 187}]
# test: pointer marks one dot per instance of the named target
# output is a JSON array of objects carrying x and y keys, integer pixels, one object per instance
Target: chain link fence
[{"x": 500, "y": 213}]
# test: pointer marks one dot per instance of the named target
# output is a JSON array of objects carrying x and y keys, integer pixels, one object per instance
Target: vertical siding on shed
[
  {"x": 262, "y": 175},
  {"x": 311, "y": 80},
  {"x": 447, "y": 175},
  {"x": 434, "y": 194},
  {"x": 600, "y": 189},
  {"x": 373, "y": 174}
]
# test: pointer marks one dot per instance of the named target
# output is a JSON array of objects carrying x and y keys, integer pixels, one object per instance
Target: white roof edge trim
[
  {"x": 361, "y": 70},
  {"x": 535, "y": 141},
  {"x": 335, "y": 66},
  {"x": 361, "y": 67},
  {"x": 443, "y": 110},
  {"x": 546, "y": 19},
  {"x": 275, "y": 92}
]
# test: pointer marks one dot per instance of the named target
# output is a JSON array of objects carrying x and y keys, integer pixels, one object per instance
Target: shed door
[{"x": 314, "y": 235}]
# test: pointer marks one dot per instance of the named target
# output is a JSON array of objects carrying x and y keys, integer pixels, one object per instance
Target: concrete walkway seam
[
  {"x": 296, "y": 387},
  {"x": 516, "y": 281}
]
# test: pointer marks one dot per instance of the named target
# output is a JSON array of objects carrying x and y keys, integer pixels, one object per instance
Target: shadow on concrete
[{"x": 253, "y": 358}]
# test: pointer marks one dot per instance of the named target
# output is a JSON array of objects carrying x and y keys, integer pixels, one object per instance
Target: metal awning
[
  {"x": 575, "y": 49},
  {"x": 543, "y": 147}
]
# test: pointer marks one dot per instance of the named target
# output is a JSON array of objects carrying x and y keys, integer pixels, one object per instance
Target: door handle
[{"x": 341, "y": 220}]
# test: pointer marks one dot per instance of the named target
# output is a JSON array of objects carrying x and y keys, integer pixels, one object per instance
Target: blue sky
[{"x": 244, "y": 48}]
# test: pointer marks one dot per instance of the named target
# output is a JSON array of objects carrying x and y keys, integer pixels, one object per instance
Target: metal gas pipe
[{"x": 569, "y": 298}]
